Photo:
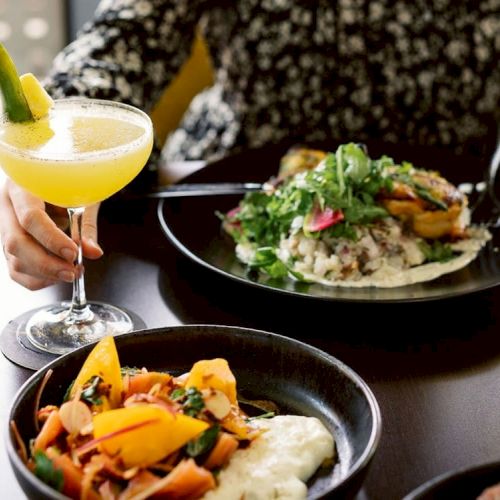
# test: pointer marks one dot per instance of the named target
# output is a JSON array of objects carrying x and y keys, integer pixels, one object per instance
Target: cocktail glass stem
[
  {"x": 60, "y": 328},
  {"x": 80, "y": 310}
]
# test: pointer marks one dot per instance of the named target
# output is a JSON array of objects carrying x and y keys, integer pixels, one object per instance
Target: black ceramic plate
[
  {"x": 300, "y": 379},
  {"x": 193, "y": 227},
  {"x": 467, "y": 483}
]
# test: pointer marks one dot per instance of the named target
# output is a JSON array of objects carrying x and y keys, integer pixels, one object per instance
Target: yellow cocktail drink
[
  {"x": 71, "y": 153},
  {"x": 81, "y": 153}
]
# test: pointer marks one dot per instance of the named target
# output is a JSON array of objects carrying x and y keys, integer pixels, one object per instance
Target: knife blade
[{"x": 207, "y": 189}]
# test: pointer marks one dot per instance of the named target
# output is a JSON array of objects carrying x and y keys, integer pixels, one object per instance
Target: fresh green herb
[
  {"x": 91, "y": 393},
  {"x": 342, "y": 230},
  {"x": 403, "y": 176},
  {"x": 426, "y": 195},
  {"x": 194, "y": 402},
  {"x": 129, "y": 370},
  {"x": 204, "y": 443},
  {"x": 362, "y": 213},
  {"x": 436, "y": 251},
  {"x": 405, "y": 168},
  {"x": 265, "y": 258},
  {"x": 45, "y": 470},
  {"x": 177, "y": 394},
  {"x": 347, "y": 181},
  {"x": 358, "y": 164},
  {"x": 67, "y": 394},
  {"x": 269, "y": 414},
  {"x": 339, "y": 159}
]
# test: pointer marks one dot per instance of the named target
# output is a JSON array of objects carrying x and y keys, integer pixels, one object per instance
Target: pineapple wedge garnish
[{"x": 38, "y": 100}]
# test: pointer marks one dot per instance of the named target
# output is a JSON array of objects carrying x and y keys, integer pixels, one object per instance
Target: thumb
[{"x": 91, "y": 248}]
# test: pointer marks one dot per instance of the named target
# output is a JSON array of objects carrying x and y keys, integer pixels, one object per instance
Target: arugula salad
[{"x": 342, "y": 218}]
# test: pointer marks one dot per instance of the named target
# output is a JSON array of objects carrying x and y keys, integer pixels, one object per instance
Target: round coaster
[{"x": 17, "y": 348}]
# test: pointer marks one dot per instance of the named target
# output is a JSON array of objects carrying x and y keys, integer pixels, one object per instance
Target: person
[{"x": 395, "y": 70}]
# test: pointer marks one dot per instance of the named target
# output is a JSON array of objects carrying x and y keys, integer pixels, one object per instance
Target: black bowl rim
[
  {"x": 362, "y": 462},
  {"x": 431, "y": 484}
]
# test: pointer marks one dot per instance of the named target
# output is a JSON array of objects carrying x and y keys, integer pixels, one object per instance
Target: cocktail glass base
[
  {"x": 18, "y": 348},
  {"x": 58, "y": 330}
]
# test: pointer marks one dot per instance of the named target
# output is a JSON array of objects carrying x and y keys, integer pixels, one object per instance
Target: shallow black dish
[
  {"x": 193, "y": 227},
  {"x": 299, "y": 378},
  {"x": 467, "y": 483}
]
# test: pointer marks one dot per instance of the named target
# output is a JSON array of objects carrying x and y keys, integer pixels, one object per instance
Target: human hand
[{"x": 38, "y": 251}]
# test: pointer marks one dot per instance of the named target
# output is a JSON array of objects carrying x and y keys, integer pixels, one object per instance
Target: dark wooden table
[{"x": 434, "y": 367}]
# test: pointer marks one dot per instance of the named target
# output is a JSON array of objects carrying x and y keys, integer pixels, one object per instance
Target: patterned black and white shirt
[{"x": 419, "y": 71}]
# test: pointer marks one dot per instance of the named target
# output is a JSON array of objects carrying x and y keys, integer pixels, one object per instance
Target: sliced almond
[
  {"x": 75, "y": 415},
  {"x": 217, "y": 403}
]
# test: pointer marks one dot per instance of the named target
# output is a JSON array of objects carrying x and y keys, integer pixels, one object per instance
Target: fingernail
[
  {"x": 95, "y": 245},
  {"x": 66, "y": 276},
  {"x": 68, "y": 254}
]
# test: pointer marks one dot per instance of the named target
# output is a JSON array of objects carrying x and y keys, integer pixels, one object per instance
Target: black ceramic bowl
[
  {"x": 467, "y": 483},
  {"x": 299, "y": 378}
]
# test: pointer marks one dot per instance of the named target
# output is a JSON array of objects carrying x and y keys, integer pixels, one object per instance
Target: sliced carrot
[
  {"x": 144, "y": 381},
  {"x": 139, "y": 483},
  {"x": 187, "y": 481},
  {"x": 72, "y": 485},
  {"x": 51, "y": 429},
  {"x": 225, "y": 446}
]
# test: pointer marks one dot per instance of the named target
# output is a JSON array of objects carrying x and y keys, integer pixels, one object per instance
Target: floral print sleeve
[
  {"x": 129, "y": 52},
  {"x": 412, "y": 71}
]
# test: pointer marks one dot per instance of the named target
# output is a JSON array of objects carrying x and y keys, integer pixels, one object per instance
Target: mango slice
[
  {"x": 213, "y": 374},
  {"x": 102, "y": 362},
  {"x": 163, "y": 433},
  {"x": 38, "y": 100}
]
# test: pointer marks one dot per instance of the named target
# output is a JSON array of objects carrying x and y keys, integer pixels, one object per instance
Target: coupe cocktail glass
[{"x": 84, "y": 151}]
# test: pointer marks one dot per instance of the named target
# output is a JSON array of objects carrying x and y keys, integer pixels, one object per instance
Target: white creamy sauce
[{"x": 277, "y": 463}]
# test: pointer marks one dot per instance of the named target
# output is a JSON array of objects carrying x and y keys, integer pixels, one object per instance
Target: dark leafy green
[
  {"x": 265, "y": 258},
  {"x": 204, "y": 443},
  {"x": 129, "y": 370},
  {"x": 193, "y": 402},
  {"x": 348, "y": 181},
  {"x": 177, "y": 394},
  {"x": 91, "y": 392},
  {"x": 67, "y": 394},
  {"x": 436, "y": 251},
  {"x": 45, "y": 470},
  {"x": 402, "y": 175},
  {"x": 269, "y": 414}
]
